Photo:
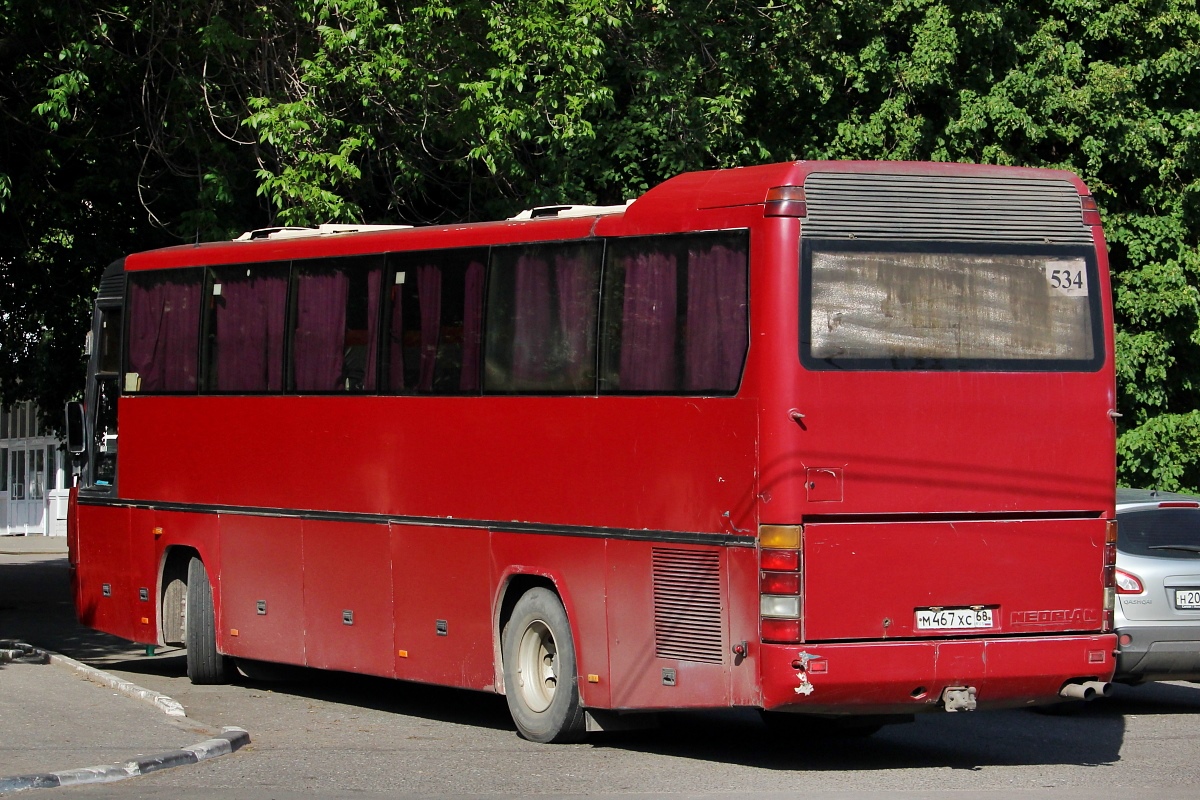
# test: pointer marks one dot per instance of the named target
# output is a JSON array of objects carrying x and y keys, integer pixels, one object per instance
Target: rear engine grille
[
  {"x": 687, "y": 605},
  {"x": 985, "y": 208}
]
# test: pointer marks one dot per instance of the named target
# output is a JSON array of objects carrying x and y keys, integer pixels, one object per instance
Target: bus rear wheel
[
  {"x": 204, "y": 664},
  {"x": 540, "y": 672}
]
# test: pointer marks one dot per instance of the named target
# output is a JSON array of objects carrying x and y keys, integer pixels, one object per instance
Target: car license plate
[
  {"x": 1187, "y": 598},
  {"x": 947, "y": 619}
]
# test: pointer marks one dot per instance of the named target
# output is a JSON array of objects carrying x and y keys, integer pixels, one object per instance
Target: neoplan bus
[{"x": 817, "y": 438}]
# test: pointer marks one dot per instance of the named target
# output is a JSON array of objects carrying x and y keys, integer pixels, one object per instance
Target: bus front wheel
[
  {"x": 204, "y": 664},
  {"x": 539, "y": 670}
]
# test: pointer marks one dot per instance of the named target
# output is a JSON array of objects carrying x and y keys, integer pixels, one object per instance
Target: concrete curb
[
  {"x": 11, "y": 651},
  {"x": 165, "y": 704},
  {"x": 231, "y": 739}
]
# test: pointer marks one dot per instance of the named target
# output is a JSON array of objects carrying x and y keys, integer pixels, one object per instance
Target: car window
[{"x": 1160, "y": 532}]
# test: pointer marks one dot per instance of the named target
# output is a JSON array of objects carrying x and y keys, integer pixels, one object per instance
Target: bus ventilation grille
[
  {"x": 687, "y": 605},
  {"x": 988, "y": 208}
]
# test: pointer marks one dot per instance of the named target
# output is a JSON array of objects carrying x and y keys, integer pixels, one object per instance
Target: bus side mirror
[{"x": 75, "y": 443}]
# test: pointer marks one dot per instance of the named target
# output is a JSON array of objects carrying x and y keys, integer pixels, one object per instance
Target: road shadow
[
  {"x": 435, "y": 703},
  {"x": 36, "y": 607}
]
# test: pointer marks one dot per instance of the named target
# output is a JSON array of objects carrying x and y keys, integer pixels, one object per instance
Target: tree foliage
[{"x": 126, "y": 127}]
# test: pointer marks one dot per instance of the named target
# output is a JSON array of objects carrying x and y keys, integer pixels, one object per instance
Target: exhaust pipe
[{"x": 1086, "y": 690}]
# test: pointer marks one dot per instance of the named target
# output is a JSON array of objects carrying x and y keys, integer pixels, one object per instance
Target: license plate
[
  {"x": 1187, "y": 598},
  {"x": 947, "y": 619}
]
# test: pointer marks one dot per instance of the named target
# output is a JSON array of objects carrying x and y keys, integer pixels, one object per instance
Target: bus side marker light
[
  {"x": 157, "y": 532},
  {"x": 233, "y": 631},
  {"x": 402, "y": 653},
  {"x": 1095, "y": 656},
  {"x": 593, "y": 678},
  {"x": 145, "y": 620},
  {"x": 786, "y": 201}
]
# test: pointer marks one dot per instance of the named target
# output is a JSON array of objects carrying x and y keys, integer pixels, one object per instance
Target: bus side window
[
  {"x": 541, "y": 319},
  {"x": 675, "y": 314},
  {"x": 246, "y": 307},
  {"x": 164, "y": 332},
  {"x": 335, "y": 324},
  {"x": 434, "y": 321}
]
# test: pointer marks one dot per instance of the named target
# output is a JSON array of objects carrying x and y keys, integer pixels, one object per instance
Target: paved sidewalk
[
  {"x": 33, "y": 545},
  {"x": 54, "y": 719},
  {"x": 67, "y": 722}
]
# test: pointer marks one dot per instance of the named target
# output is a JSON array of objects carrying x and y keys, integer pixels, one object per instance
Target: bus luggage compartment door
[{"x": 901, "y": 580}]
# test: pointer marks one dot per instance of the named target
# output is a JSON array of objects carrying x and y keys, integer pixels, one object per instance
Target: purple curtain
[
  {"x": 318, "y": 349},
  {"x": 249, "y": 343},
  {"x": 374, "y": 277},
  {"x": 716, "y": 319},
  {"x": 472, "y": 328},
  {"x": 429, "y": 295},
  {"x": 532, "y": 334},
  {"x": 648, "y": 323},
  {"x": 164, "y": 332},
  {"x": 396, "y": 341},
  {"x": 577, "y": 285}
]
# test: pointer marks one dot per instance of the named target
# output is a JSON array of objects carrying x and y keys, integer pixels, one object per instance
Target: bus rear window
[{"x": 958, "y": 307}]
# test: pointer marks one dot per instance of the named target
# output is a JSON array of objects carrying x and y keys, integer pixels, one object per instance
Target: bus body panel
[
  {"x": 907, "y": 677},
  {"x": 263, "y": 562},
  {"x": 669, "y": 643},
  {"x": 348, "y": 610},
  {"x": 867, "y": 580},
  {"x": 444, "y": 584},
  {"x": 103, "y": 559},
  {"x": 512, "y": 460},
  {"x": 574, "y": 566},
  {"x": 927, "y": 443}
]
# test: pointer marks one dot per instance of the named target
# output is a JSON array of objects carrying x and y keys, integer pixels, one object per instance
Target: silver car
[{"x": 1157, "y": 615}]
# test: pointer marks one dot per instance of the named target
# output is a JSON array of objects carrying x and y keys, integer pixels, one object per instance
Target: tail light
[
  {"x": 1091, "y": 212},
  {"x": 1110, "y": 572},
  {"x": 780, "y": 586},
  {"x": 1128, "y": 583}
]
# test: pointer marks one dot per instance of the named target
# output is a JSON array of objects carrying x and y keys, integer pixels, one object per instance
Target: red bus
[{"x": 827, "y": 439}]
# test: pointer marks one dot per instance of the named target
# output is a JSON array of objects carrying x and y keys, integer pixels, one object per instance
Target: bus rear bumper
[{"x": 913, "y": 676}]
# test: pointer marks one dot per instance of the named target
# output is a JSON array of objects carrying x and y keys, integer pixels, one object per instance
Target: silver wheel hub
[{"x": 537, "y": 666}]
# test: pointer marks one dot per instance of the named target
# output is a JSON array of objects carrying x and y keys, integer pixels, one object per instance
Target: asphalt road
[{"x": 338, "y": 735}]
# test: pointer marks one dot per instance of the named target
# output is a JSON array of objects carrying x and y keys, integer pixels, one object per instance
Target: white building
[{"x": 33, "y": 475}]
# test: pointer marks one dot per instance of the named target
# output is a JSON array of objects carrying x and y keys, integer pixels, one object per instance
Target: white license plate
[
  {"x": 947, "y": 619},
  {"x": 1187, "y": 598}
]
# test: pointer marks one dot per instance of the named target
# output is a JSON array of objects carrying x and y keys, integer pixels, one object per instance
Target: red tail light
[
  {"x": 1091, "y": 213},
  {"x": 1128, "y": 583}
]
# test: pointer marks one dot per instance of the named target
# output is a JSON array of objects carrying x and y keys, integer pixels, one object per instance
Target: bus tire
[
  {"x": 204, "y": 664},
  {"x": 540, "y": 678}
]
